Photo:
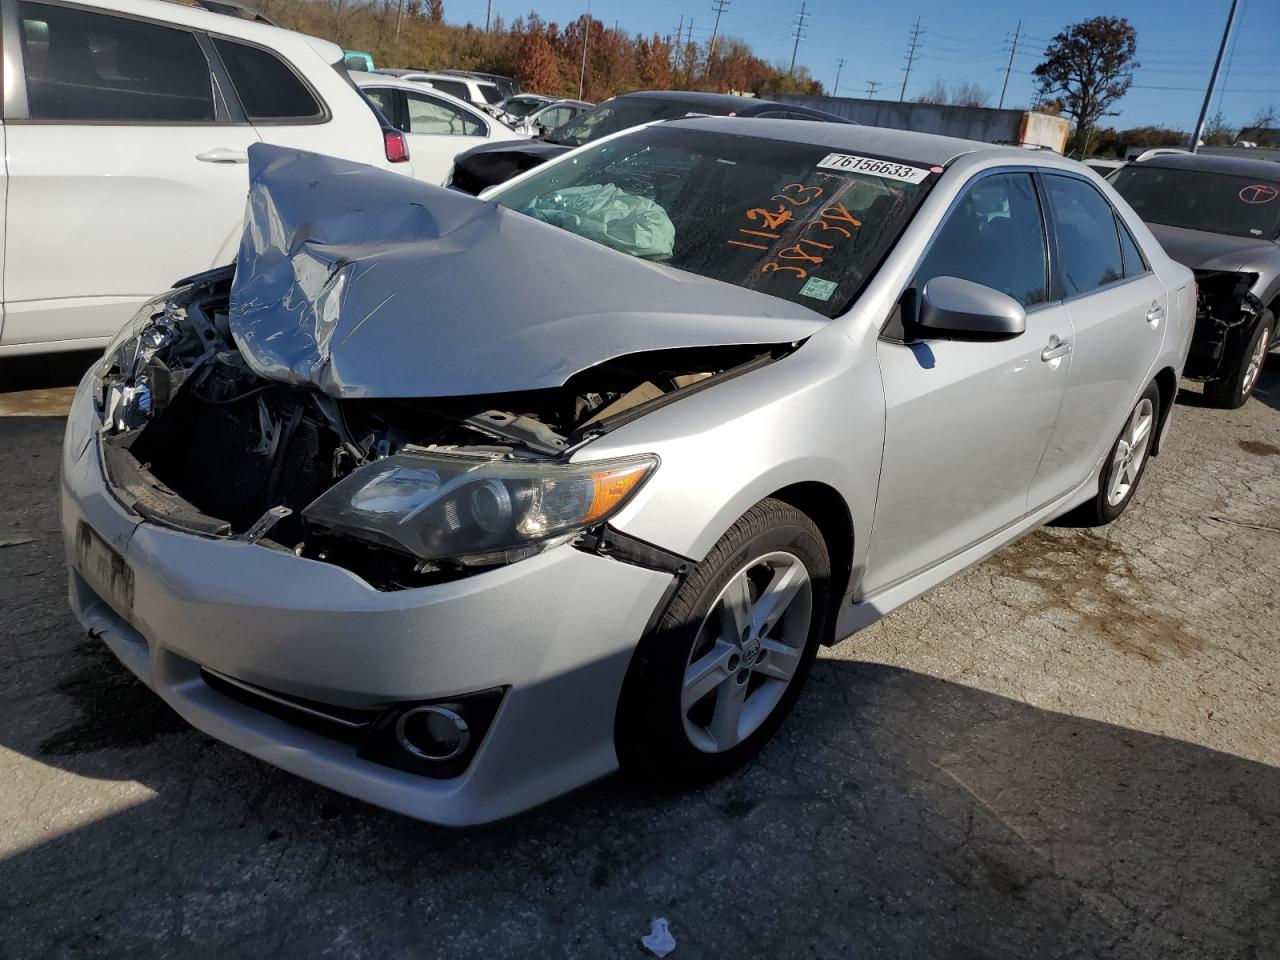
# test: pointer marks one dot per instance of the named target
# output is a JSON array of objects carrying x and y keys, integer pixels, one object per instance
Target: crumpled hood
[
  {"x": 1210, "y": 251},
  {"x": 365, "y": 283}
]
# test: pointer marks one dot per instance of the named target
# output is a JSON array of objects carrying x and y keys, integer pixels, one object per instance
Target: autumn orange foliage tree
[{"x": 543, "y": 57}]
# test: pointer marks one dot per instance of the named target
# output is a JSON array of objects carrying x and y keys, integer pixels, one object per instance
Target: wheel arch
[
  {"x": 824, "y": 505},
  {"x": 1167, "y": 380}
]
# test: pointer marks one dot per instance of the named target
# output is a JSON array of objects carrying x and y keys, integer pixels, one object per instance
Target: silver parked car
[{"x": 456, "y": 504}]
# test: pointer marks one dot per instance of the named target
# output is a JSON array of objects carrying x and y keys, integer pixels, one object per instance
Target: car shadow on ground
[{"x": 1266, "y": 390}]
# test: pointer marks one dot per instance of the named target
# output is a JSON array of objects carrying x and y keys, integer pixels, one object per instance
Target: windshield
[
  {"x": 1199, "y": 200},
  {"x": 520, "y": 107},
  {"x": 616, "y": 115},
  {"x": 796, "y": 221}
]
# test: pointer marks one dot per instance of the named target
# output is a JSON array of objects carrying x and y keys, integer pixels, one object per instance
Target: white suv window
[
  {"x": 268, "y": 89},
  {"x": 96, "y": 67}
]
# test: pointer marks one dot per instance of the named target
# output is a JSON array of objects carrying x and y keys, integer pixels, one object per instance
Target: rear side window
[
  {"x": 430, "y": 115},
  {"x": 451, "y": 87},
  {"x": 1135, "y": 264},
  {"x": 267, "y": 87},
  {"x": 1088, "y": 243},
  {"x": 994, "y": 236},
  {"x": 96, "y": 67}
]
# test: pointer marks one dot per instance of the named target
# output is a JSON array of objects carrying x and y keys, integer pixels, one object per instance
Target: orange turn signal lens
[{"x": 614, "y": 486}]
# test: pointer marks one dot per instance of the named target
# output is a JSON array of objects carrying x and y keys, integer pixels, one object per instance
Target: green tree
[{"x": 1088, "y": 67}]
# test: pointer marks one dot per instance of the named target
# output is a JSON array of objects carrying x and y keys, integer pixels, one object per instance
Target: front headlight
[{"x": 475, "y": 511}]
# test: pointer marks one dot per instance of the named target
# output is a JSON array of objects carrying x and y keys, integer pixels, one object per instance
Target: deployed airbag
[
  {"x": 608, "y": 214},
  {"x": 366, "y": 283}
]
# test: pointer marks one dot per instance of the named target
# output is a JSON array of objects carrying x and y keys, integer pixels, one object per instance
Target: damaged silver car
[{"x": 456, "y": 504}]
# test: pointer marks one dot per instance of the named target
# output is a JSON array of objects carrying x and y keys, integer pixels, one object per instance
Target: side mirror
[{"x": 969, "y": 310}]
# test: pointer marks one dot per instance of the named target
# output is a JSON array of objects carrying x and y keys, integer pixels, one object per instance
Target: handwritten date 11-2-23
[{"x": 833, "y": 221}]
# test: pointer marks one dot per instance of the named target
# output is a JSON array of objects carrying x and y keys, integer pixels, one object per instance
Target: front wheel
[
  {"x": 1242, "y": 367},
  {"x": 1125, "y": 464},
  {"x": 710, "y": 686}
]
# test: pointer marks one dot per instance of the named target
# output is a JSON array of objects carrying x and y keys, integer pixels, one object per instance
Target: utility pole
[
  {"x": 871, "y": 87},
  {"x": 799, "y": 35},
  {"x": 839, "y": 66},
  {"x": 582, "y": 74},
  {"x": 488, "y": 15},
  {"x": 400, "y": 16},
  {"x": 913, "y": 44},
  {"x": 1213, "y": 79},
  {"x": 719, "y": 6},
  {"x": 675, "y": 50},
  {"x": 1013, "y": 52}
]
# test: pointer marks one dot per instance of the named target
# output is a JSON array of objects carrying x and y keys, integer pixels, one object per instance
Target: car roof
[
  {"x": 364, "y": 79},
  {"x": 878, "y": 141},
  {"x": 1214, "y": 163}
]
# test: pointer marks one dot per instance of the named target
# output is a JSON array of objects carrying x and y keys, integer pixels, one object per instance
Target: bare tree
[
  {"x": 970, "y": 94},
  {"x": 1089, "y": 66},
  {"x": 935, "y": 94}
]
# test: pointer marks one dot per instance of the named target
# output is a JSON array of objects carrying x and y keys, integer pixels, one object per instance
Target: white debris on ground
[{"x": 659, "y": 940}]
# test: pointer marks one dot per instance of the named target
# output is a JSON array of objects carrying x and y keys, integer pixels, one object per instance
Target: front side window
[
  {"x": 550, "y": 119},
  {"x": 267, "y": 87},
  {"x": 788, "y": 219},
  {"x": 994, "y": 236},
  {"x": 1199, "y": 200},
  {"x": 1088, "y": 244},
  {"x": 95, "y": 67},
  {"x": 434, "y": 116}
]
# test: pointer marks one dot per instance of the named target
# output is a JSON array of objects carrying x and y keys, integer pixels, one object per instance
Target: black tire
[
  {"x": 650, "y": 735},
  {"x": 1100, "y": 511},
  {"x": 1230, "y": 391}
]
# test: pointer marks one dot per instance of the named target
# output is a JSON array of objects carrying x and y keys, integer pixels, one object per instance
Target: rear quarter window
[{"x": 268, "y": 88}]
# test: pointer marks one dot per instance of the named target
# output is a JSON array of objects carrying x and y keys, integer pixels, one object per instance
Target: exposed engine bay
[
  {"x": 195, "y": 439},
  {"x": 1225, "y": 308}
]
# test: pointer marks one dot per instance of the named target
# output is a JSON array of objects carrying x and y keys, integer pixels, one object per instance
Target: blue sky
[{"x": 1177, "y": 41}]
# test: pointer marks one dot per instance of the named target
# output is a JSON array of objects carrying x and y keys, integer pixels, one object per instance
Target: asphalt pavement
[{"x": 1070, "y": 751}]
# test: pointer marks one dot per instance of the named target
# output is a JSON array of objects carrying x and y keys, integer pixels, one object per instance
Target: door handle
[
  {"x": 1056, "y": 349},
  {"x": 1155, "y": 314},
  {"x": 223, "y": 155}
]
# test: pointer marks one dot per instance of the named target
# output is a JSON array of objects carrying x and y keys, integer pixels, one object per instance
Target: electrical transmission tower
[
  {"x": 871, "y": 87},
  {"x": 801, "y": 17},
  {"x": 719, "y": 6},
  {"x": 913, "y": 43},
  {"x": 675, "y": 47},
  {"x": 1013, "y": 52},
  {"x": 839, "y": 66}
]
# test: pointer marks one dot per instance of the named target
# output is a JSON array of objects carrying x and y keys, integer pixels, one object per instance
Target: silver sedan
[{"x": 456, "y": 504}]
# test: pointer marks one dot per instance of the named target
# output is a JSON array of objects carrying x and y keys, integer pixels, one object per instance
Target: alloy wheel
[
  {"x": 1131, "y": 452},
  {"x": 1255, "y": 362},
  {"x": 746, "y": 652}
]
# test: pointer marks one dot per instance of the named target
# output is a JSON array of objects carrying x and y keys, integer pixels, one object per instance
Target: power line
[
  {"x": 839, "y": 66},
  {"x": 799, "y": 35},
  {"x": 914, "y": 42},
  {"x": 1009, "y": 69},
  {"x": 719, "y": 6}
]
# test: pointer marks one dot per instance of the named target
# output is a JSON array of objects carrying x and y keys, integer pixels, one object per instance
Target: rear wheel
[
  {"x": 1242, "y": 366},
  {"x": 1125, "y": 464},
  {"x": 712, "y": 684}
]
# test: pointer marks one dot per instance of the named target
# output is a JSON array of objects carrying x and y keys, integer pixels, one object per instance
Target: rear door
[
  {"x": 123, "y": 172},
  {"x": 967, "y": 421},
  {"x": 1118, "y": 309}
]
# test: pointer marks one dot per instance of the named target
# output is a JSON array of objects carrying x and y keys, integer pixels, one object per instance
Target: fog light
[{"x": 433, "y": 733}]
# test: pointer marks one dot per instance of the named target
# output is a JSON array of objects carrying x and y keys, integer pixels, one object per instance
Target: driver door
[{"x": 967, "y": 421}]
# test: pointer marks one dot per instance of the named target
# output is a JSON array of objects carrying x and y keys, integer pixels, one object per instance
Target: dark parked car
[
  {"x": 1220, "y": 216},
  {"x": 490, "y": 164}
]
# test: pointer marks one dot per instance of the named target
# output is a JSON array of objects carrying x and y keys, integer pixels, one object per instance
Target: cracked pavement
[{"x": 1071, "y": 750}]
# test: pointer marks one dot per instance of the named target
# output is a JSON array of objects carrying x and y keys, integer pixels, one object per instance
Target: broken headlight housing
[
  {"x": 121, "y": 381},
  {"x": 475, "y": 512}
]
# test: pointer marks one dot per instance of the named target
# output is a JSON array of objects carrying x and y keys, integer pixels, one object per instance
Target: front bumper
[{"x": 556, "y": 631}]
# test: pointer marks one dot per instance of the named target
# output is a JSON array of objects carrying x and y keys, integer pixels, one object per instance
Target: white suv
[
  {"x": 482, "y": 93},
  {"x": 125, "y": 128}
]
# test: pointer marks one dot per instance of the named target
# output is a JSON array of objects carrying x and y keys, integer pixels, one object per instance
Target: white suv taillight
[{"x": 396, "y": 145}]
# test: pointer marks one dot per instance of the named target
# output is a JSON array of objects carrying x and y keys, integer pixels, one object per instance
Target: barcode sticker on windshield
[{"x": 847, "y": 163}]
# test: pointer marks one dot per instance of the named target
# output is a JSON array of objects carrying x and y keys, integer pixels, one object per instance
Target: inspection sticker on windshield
[
  {"x": 818, "y": 289},
  {"x": 848, "y": 163}
]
